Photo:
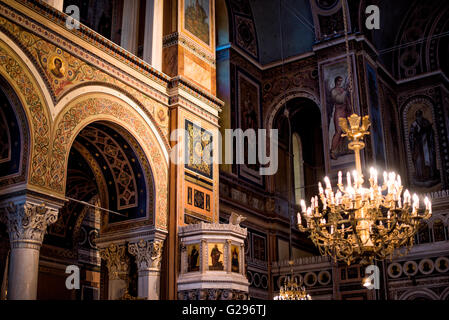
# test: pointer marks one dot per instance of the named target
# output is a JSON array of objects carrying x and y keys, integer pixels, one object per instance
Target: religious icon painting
[
  {"x": 193, "y": 258},
  {"x": 189, "y": 195},
  {"x": 421, "y": 141},
  {"x": 337, "y": 104},
  {"x": 207, "y": 202},
  {"x": 198, "y": 199},
  {"x": 215, "y": 256},
  {"x": 235, "y": 262},
  {"x": 56, "y": 67},
  {"x": 197, "y": 19},
  {"x": 199, "y": 153}
]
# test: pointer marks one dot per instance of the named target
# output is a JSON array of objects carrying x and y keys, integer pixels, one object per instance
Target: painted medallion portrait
[
  {"x": 56, "y": 67},
  {"x": 193, "y": 257},
  {"x": 196, "y": 19},
  {"x": 215, "y": 254}
]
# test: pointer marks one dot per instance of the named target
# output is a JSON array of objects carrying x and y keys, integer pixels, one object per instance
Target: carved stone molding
[
  {"x": 117, "y": 261},
  {"x": 212, "y": 294},
  {"x": 148, "y": 254},
  {"x": 27, "y": 223}
]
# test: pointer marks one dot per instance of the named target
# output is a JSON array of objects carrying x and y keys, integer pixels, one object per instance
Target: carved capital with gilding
[
  {"x": 148, "y": 254},
  {"x": 27, "y": 223},
  {"x": 117, "y": 261}
]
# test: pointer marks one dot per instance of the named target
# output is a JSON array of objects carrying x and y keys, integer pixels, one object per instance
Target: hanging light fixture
[
  {"x": 357, "y": 222},
  {"x": 291, "y": 290}
]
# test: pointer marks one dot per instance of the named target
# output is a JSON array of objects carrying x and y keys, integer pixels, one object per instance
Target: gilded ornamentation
[
  {"x": 199, "y": 144},
  {"x": 117, "y": 261},
  {"x": 148, "y": 254},
  {"x": 90, "y": 108},
  {"x": 39, "y": 120},
  {"x": 28, "y": 222}
]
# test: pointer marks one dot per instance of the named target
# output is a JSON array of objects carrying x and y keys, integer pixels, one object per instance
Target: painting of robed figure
[
  {"x": 422, "y": 147},
  {"x": 196, "y": 19}
]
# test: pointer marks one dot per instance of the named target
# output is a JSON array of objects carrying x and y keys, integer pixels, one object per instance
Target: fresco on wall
[
  {"x": 249, "y": 118},
  {"x": 193, "y": 254},
  {"x": 422, "y": 145},
  {"x": 196, "y": 17},
  {"x": 375, "y": 117},
  {"x": 216, "y": 257},
  {"x": 335, "y": 87}
]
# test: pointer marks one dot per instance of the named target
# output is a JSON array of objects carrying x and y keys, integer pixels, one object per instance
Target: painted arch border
[{"x": 91, "y": 107}]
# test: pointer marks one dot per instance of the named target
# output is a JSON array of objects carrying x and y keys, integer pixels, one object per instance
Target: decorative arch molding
[
  {"x": 26, "y": 84},
  {"x": 99, "y": 88},
  {"x": 423, "y": 293},
  {"x": 84, "y": 110},
  {"x": 445, "y": 294},
  {"x": 280, "y": 100},
  {"x": 18, "y": 112}
]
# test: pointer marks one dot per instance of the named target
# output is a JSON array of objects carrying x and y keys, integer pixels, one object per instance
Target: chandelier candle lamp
[
  {"x": 361, "y": 224},
  {"x": 291, "y": 290}
]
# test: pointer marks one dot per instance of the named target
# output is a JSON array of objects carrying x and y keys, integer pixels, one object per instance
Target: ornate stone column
[
  {"x": 117, "y": 262},
  {"x": 27, "y": 223},
  {"x": 148, "y": 257}
]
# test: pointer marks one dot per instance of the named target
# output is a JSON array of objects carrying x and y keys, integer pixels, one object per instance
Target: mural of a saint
[
  {"x": 235, "y": 260},
  {"x": 341, "y": 109},
  {"x": 422, "y": 146},
  {"x": 193, "y": 260},
  {"x": 215, "y": 255},
  {"x": 197, "y": 19}
]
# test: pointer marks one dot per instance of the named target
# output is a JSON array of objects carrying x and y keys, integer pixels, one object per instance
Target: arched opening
[
  {"x": 307, "y": 158},
  {"x": 14, "y": 154},
  {"x": 109, "y": 183}
]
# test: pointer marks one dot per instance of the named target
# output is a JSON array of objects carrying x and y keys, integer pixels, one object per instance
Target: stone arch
[
  {"x": 27, "y": 84},
  {"x": 87, "y": 109},
  {"x": 94, "y": 88},
  {"x": 416, "y": 294}
]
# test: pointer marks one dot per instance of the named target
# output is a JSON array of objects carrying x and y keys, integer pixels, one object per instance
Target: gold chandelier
[
  {"x": 291, "y": 290},
  {"x": 356, "y": 222}
]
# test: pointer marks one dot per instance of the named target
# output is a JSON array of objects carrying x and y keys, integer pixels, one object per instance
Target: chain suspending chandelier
[{"x": 356, "y": 223}]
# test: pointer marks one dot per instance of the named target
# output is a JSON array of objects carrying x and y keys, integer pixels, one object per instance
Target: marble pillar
[
  {"x": 117, "y": 262},
  {"x": 27, "y": 224},
  {"x": 130, "y": 25},
  {"x": 152, "y": 47},
  {"x": 148, "y": 257}
]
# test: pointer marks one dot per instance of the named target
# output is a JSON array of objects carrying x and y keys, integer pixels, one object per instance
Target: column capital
[
  {"x": 117, "y": 261},
  {"x": 27, "y": 223},
  {"x": 148, "y": 254}
]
